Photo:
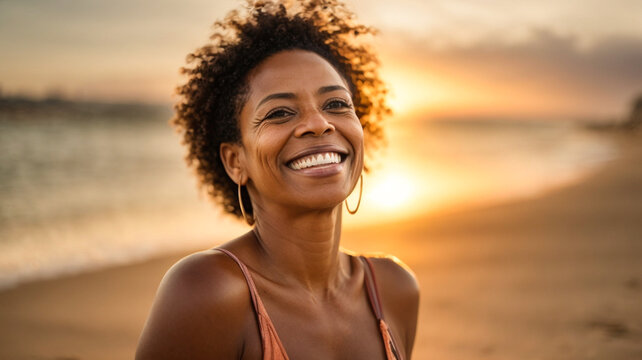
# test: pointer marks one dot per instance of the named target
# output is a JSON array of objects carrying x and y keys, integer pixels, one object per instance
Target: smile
[{"x": 313, "y": 160}]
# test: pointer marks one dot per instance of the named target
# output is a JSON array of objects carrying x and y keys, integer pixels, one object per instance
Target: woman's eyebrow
[
  {"x": 276, "y": 96},
  {"x": 289, "y": 95},
  {"x": 326, "y": 89}
]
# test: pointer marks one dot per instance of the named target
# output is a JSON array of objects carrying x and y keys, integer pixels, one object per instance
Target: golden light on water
[{"x": 432, "y": 168}]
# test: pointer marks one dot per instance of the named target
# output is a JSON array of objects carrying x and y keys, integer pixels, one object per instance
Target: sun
[{"x": 390, "y": 192}]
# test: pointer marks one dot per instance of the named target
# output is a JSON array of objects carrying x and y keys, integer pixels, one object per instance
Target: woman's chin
[{"x": 323, "y": 203}]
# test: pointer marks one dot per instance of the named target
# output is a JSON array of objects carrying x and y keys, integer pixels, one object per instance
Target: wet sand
[{"x": 554, "y": 277}]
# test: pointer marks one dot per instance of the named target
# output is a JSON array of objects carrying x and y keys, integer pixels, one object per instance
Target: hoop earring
[
  {"x": 352, "y": 212},
  {"x": 248, "y": 221}
]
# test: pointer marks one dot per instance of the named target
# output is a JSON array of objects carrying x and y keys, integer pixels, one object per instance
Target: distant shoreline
[{"x": 19, "y": 106}]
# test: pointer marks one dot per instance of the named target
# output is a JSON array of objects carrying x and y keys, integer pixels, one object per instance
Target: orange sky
[{"x": 442, "y": 58}]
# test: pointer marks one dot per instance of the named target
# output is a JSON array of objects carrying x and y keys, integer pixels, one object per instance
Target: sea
[{"x": 93, "y": 186}]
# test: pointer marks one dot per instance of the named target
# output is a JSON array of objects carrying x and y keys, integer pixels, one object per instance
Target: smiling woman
[{"x": 276, "y": 114}]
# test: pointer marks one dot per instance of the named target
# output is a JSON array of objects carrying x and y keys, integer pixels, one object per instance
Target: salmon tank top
[{"x": 273, "y": 348}]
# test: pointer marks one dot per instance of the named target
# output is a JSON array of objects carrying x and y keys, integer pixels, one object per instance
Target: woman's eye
[
  {"x": 336, "y": 105},
  {"x": 279, "y": 113}
]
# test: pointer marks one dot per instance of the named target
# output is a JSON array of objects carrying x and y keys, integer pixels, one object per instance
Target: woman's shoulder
[
  {"x": 393, "y": 275},
  {"x": 211, "y": 269},
  {"x": 211, "y": 277},
  {"x": 202, "y": 303}
]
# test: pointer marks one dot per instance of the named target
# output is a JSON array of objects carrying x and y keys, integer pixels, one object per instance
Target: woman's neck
[{"x": 304, "y": 247}]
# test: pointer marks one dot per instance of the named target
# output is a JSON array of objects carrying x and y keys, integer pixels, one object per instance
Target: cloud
[{"x": 548, "y": 71}]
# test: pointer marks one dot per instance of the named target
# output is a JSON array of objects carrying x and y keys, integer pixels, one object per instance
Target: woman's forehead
[{"x": 292, "y": 71}]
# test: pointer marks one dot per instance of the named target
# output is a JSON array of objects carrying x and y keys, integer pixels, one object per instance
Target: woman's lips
[{"x": 315, "y": 160}]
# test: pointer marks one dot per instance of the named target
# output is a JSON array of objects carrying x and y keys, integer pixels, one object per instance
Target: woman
[{"x": 274, "y": 114}]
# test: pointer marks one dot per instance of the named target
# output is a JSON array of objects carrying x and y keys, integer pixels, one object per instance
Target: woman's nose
[{"x": 314, "y": 123}]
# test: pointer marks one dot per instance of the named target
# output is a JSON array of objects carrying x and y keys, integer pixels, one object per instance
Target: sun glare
[{"x": 390, "y": 192}]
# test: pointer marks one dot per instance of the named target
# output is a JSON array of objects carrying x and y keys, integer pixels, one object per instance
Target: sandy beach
[{"x": 558, "y": 276}]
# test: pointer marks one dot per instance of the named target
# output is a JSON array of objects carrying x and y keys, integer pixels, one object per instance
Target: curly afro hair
[{"x": 213, "y": 95}]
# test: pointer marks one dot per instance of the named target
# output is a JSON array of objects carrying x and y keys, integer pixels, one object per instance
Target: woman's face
[{"x": 302, "y": 143}]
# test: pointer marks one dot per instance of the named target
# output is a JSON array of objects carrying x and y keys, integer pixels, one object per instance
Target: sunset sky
[{"x": 443, "y": 58}]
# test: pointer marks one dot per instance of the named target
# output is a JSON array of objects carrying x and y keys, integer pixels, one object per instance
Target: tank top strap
[
  {"x": 248, "y": 278},
  {"x": 392, "y": 352},
  {"x": 271, "y": 343}
]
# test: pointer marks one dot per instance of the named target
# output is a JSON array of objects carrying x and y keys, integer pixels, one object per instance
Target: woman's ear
[{"x": 232, "y": 159}]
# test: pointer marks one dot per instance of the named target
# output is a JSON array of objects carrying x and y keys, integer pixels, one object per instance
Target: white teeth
[{"x": 316, "y": 160}]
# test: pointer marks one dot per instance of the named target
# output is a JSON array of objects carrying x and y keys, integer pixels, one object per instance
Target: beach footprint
[
  {"x": 633, "y": 284},
  {"x": 613, "y": 329}
]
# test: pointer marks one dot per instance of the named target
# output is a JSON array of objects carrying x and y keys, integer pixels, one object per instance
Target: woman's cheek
[{"x": 270, "y": 143}]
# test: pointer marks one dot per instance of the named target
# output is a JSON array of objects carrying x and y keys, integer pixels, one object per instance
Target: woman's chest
[{"x": 325, "y": 331}]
